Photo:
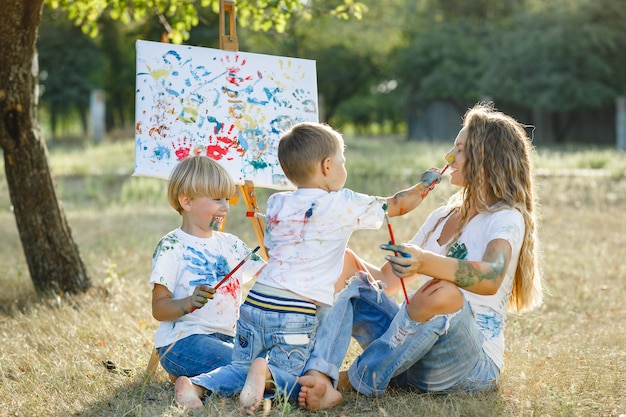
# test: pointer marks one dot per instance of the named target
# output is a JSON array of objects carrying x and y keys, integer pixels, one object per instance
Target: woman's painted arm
[{"x": 480, "y": 277}]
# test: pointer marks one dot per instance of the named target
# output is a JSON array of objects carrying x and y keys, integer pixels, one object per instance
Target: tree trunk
[{"x": 53, "y": 258}]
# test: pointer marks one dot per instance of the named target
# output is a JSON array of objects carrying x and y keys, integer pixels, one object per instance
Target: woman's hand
[
  {"x": 406, "y": 261},
  {"x": 480, "y": 277}
]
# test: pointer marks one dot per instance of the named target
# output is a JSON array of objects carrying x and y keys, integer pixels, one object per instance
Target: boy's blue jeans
[
  {"x": 442, "y": 354},
  {"x": 196, "y": 354},
  {"x": 360, "y": 310},
  {"x": 285, "y": 339}
]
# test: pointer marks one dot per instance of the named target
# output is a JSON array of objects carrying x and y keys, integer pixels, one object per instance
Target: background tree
[
  {"x": 352, "y": 57},
  {"x": 117, "y": 45},
  {"x": 560, "y": 57},
  {"x": 446, "y": 49},
  {"x": 52, "y": 256},
  {"x": 549, "y": 60},
  {"x": 68, "y": 66}
]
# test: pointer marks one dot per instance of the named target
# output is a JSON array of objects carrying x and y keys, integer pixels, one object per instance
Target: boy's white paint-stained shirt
[
  {"x": 490, "y": 311},
  {"x": 307, "y": 232},
  {"x": 181, "y": 262}
]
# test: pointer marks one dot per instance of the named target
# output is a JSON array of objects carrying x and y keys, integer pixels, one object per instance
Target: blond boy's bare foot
[
  {"x": 317, "y": 392},
  {"x": 252, "y": 392},
  {"x": 187, "y": 394}
]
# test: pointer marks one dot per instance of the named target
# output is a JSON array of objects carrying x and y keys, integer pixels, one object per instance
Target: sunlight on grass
[
  {"x": 152, "y": 190},
  {"x": 577, "y": 157},
  {"x": 111, "y": 158}
]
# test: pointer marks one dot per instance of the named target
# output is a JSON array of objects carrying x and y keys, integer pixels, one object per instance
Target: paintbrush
[
  {"x": 449, "y": 159},
  {"x": 392, "y": 240}
]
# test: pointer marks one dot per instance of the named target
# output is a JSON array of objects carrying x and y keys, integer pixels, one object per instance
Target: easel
[{"x": 229, "y": 43}]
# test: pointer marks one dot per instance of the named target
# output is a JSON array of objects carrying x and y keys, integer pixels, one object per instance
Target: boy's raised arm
[{"x": 406, "y": 200}]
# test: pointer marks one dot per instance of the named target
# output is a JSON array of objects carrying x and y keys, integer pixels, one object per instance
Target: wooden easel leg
[
  {"x": 258, "y": 223},
  {"x": 153, "y": 363},
  {"x": 228, "y": 42}
]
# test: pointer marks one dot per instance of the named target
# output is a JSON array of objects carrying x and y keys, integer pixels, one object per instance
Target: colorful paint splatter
[{"x": 230, "y": 106}]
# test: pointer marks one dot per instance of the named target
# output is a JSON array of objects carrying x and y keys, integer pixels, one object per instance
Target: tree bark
[{"x": 53, "y": 258}]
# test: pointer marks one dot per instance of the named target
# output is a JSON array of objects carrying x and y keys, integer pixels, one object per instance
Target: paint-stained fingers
[
  {"x": 400, "y": 266},
  {"x": 201, "y": 294},
  {"x": 398, "y": 250},
  {"x": 210, "y": 293}
]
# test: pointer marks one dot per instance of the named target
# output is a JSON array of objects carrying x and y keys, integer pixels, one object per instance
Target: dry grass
[{"x": 567, "y": 358}]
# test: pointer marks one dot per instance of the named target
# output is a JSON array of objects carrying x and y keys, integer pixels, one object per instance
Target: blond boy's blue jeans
[{"x": 196, "y": 354}]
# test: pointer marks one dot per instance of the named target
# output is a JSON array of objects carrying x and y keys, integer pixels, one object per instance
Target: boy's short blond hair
[
  {"x": 303, "y": 147},
  {"x": 199, "y": 176}
]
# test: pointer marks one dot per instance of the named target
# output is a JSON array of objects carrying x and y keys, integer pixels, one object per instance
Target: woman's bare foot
[
  {"x": 187, "y": 394},
  {"x": 254, "y": 388},
  {"x": 317, "y": 392}
]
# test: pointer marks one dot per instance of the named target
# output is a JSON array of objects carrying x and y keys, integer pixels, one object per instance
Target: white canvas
[{"x": 231, "y": 106}]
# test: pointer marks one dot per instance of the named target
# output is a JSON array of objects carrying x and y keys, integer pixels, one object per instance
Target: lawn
[{"x": 87, "y": 355}]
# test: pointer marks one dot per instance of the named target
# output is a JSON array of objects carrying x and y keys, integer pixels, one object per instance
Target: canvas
[{"x": 230, "y": 106}]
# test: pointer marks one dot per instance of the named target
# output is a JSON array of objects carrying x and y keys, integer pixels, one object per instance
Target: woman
[{"x": 476, "y": 258}]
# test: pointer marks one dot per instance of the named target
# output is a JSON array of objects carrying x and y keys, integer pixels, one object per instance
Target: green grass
[{"x": 567, "y": 358}]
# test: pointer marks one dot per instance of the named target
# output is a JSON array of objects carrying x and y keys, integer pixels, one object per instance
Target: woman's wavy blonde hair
[{"x": 498, "y": 167}]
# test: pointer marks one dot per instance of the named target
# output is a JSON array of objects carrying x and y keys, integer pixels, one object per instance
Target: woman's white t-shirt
[{"x": 490, "y": 311}]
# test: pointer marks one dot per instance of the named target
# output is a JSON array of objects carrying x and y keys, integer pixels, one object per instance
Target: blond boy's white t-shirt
[{"x": 182, "y": 261}]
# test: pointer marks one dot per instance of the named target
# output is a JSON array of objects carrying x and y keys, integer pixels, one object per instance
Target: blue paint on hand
[{"x": 397, "y": 249}]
